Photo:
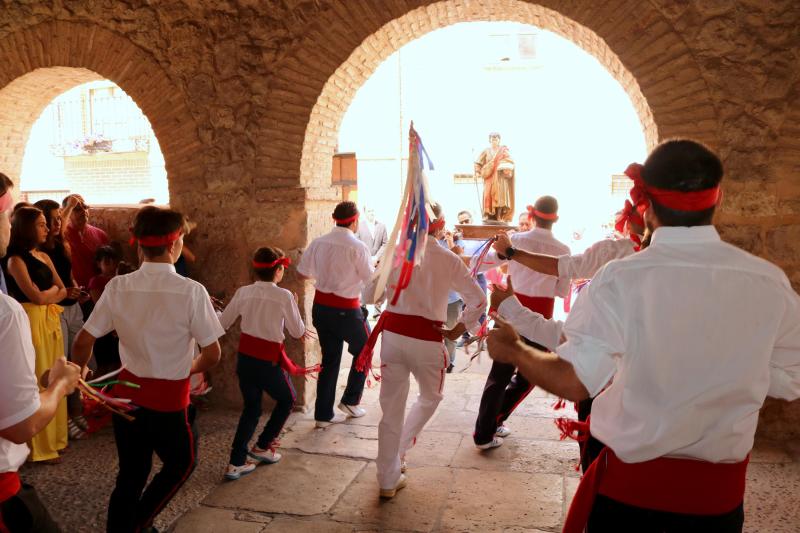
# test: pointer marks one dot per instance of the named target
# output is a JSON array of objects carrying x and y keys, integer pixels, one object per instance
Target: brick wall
[{"x": 113, "y": 178}]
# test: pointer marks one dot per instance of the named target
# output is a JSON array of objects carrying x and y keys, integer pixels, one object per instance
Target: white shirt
[
  {"x": 530, "y": 324},
  {"x": 265, "y": 308},
  {"x": 338, "y": 262},
  {"x": 586, "y": 265},
  {"x": 426, "y": 295},
  {"x": 160, "y": 318},
  {"x": 19, "y": 390},
  {"x": 527, "y": 281},
  {"x": 696, "y": 333}
]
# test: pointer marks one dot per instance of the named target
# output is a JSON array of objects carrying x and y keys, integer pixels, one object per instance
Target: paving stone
[
  {"x": 529, "y": 427},
  {"x": 434, "y": 448},
  {"x": 462, "y": 422},
  {"x": 570, "y": 487},
  {"x": 346, "y": 440},
  {"x": 483, "y": 501},
  {"x": 540, "y": 405},
  {"x": 521, "y": 455},
  {"x": 211, "y": 520},
  {"x": 415, "y": 508},
  {"x": 770, "y": 452},
  {"x": 293, "y": 525},
  {"x": 301, "y": 484},
  {"x": 772, "y": 498}
]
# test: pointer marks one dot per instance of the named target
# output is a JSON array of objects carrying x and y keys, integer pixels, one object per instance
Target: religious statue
[{"x": 496, "y": 168}]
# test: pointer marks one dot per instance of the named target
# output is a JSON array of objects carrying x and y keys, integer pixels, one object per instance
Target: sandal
[{"x": 75, "y": 432}]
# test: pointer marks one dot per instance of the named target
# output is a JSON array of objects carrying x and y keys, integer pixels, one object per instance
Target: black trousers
[
  {"x": 504, "y": 390},
  {"x": 610, "y": 515},
  {"x": 255, "y": 378},
  {"x": 591, "y": 448},
  {"x": 173, "y": 437},
  {"x": 335, "y": 327},
  {"x": 25, "y": 512}
]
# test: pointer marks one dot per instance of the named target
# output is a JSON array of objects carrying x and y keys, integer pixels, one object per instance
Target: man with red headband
[
  {"x": 340, "y": 265},
  {"x": 505, "y": 388},
  {"x": 412, "y": 344},
  {"x": 83, "y": 238},
  {"x": 695, "y": 334},
  {"x": 160, "y": 317}
]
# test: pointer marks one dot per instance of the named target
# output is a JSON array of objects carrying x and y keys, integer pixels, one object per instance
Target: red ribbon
[
  {"x": 156, "y": 240},
  {"x": 346, "y": 221},
  {"x": 686, "y": 201},
  {"x": 436, "y": 226},
  {"x": 533, "y": 212},
  {"x": 285, "y": 261}
]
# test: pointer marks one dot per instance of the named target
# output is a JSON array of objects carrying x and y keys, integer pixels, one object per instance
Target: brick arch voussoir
[
  {"x": 43, "y": 61},
  {"x": 631, "y": 39}
]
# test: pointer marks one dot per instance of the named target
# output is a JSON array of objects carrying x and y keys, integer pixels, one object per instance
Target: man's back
[
  {"x": 529, "y": 282},
  {"x": 338, "y": 261},
  {"x": 695, "y": 333}
]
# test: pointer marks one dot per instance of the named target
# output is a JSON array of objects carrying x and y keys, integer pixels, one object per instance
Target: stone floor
[{"x": 326, "y": 480}]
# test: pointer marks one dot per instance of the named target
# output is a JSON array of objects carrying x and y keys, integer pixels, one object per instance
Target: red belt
[
  {"x": 274, "y": 352},
  {"x": 331, "y": 300},
  {"x": 165, "y": 395},
  {"x": 9, "y": 485},
  {"x": 538, "y": 304},
  {"x": 684, "y": 486},
  {"x": 416, "y": 327}
]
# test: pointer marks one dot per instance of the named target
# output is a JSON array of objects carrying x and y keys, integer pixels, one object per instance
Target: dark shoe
[{"x": 450, "y": 368}]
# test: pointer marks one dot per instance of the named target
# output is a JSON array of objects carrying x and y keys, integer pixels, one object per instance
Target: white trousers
[
  {"x": 71, "y": 324},
  {"x": 400, "y": 357}
]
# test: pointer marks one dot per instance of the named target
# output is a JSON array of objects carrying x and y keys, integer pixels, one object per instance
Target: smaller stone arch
[{"x": 43, "y": 61}]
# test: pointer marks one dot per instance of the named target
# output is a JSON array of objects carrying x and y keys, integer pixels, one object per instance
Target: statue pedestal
[{"x": 482, "y": 231}]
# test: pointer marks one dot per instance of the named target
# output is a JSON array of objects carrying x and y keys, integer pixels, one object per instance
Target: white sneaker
[
  {"x": 235, "y": 472},
  {"x": 503, "y": 432},
  {"x": 264, "y": 456},
  {"x": 497, "y": 441},
  {"x": 389, "y": 493},
  {"x": 352, "y": 411},
  {"x": 337, "y": 419}
]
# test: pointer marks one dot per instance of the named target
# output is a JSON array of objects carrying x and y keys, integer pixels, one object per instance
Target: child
[
  {"x": 106, "y": 349},
  {"x": 262, "y": 364},
  {"x": 107, "y": 260}
]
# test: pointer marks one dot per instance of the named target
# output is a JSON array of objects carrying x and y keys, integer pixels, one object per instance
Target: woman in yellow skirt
[{"x": 32, "y": 280}]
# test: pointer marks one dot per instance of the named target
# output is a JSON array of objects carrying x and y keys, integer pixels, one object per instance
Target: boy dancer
[
  {"x": 160, "y": 318},
  {"x": 340, "y": 265},
  {"x": 505, "y": 388},
  {"x": 412, "y": 344},
  {"x": 262, "y": 364},
  {"x": 690, "y": 374}
]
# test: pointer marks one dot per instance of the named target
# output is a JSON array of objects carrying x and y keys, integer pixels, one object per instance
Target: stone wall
[{"x": 246, "y": 97}]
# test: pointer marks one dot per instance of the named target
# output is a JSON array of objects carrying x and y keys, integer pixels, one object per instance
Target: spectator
[
  {"x": 372, "y": 233},
  {"x": 71, "y": 316},
  {"x": 524, "y": 222},
  {"x": 33, "y": 281},
  {"x": 84, "y": 240},
  {"x": 106, "y": 348},
  {"x": 5, "y": 222},
  {"x": 453, "y": 243}
]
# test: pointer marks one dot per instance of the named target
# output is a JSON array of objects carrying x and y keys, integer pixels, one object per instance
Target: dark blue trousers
[
  {"x": 255, "y": 378},
  {"x": 335, "y": 327}
]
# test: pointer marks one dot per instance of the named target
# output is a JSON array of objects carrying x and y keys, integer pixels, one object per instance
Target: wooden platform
[{"x": 483, "y": 231}]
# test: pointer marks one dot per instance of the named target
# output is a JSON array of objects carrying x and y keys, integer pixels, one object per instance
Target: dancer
[
  {"x": 160, "y": 318},
  {"x": 340, "y": 265},
  {"x": 261, "y": 363}
]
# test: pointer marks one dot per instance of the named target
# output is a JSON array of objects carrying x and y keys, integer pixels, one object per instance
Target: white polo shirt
[
  {"x": 265, "y": 309},
  {"x": 530, "y": 324},
  {"x": 160, "y": 318},
  {"x": 338, "y": 262},
  {"x": 526, "y": 281},
  {"x": 586, "y": 265},
  {"x": 696, "y": 333},
  {"x": 19, "y": 390},
  {"x": 427, "y": 293}
]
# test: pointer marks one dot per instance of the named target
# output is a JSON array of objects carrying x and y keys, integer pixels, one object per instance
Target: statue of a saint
[{"x": 496, "y": 168}]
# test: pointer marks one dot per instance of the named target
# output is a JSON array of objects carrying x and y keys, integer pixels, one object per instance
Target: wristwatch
[{"x": 508, "y": 254}]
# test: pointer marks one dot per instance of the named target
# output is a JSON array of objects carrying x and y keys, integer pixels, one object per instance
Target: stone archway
[{"x": 43, "y": 61}]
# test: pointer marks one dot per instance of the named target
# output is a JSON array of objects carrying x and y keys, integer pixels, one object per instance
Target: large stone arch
[
  {"x": 43, "y": 61},
  {"x": 315, "y": 84}
]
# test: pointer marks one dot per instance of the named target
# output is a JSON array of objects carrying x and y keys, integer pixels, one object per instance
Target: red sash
[
  {"x": 538, "y": 304},
  {"x": 274, "y": 352},
  {"x": 416, "y": 327},
  {"x": 166, "y": 395},
  {"x": 331, "y": 300},
  {"x": 684, "y": 486},
  {"x": 9, "y": 485}
]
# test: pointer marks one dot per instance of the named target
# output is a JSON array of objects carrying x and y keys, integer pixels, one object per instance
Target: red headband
[
  {"x": 642, "y": 194},
  {"x": 433, "y": 227},
  {"x": 285, "y": 261},
  {"x": 533, "y": 212},
  {"x": 6, "y": 201},
  {"x": 156, "y": 240},
  {"x": 346, "y": 221}
]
